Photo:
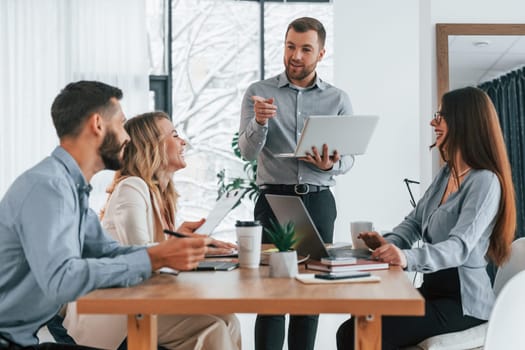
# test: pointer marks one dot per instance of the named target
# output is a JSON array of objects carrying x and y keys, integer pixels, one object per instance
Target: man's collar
[
  {"x": 72, "y": 168},
  {"x": 283, "y": 81}
]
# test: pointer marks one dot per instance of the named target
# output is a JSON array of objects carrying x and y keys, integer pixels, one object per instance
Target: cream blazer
[{"x": 129, "y": 219}]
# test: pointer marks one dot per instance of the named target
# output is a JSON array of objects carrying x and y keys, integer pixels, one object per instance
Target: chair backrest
[
  {"x": 505, "y": 327},
  {"x": 515, "y": 264}
]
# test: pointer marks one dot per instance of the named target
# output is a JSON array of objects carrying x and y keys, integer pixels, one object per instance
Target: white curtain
[{"x": 45, "y": 44}]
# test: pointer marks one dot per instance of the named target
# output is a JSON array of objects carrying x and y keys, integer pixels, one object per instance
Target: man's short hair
[
  {"x": 77, "y": 101},
  {"x": 304, "y": 24}
]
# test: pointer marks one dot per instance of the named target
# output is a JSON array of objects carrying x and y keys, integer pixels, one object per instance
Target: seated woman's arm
[{"x": 476, "y": 214}]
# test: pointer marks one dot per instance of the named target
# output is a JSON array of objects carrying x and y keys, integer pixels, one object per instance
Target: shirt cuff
[
  {"x": 139, "y": 266},
  {"x": 337, "y": 166},
  {"x": 258, "y": 128},
  {"x": 411, "y": 261},
  {"x": 397, "y": 240},
  {"x": 340, "y": 167}
]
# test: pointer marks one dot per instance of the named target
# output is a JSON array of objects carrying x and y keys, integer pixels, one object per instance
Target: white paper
[
  {"x": 168, "y": 270},
  {"x": 218, "y": 213}
]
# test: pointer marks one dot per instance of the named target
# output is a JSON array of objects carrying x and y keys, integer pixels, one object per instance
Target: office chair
[
  {"x": 474, "y": 337},
  {"x": 505, "y": 329}
]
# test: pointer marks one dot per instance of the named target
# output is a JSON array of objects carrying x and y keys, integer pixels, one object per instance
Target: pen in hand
[{"x": 182, "y": 235}]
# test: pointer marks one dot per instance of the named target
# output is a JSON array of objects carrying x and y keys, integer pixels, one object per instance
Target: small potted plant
[{"x": 284, "y": 262}]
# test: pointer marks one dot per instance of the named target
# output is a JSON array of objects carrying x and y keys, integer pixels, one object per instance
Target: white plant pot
[{"x": 283, "y": 264}]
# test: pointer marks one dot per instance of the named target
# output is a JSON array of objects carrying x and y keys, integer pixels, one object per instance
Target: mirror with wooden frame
[{"x": 446, "y": 31}]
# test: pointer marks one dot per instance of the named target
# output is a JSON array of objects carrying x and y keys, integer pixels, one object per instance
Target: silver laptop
[
  {"x": 309, "y": 242},
  {"x": 346, "y": 134}
]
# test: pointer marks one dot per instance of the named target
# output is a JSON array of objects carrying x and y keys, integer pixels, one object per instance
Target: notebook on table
[
  {"x": 309, "y": 278},
  {"x": 309, "y": 242},
  {"x": 205, "y": 265},
  {"x": 346, "y": 134},
  {"x": 217, "y": 266},
  {"x": 359, "y": 265}
]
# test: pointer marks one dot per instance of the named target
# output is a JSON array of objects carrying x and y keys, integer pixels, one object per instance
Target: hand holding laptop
[
  {"x": 323, "y": 161},
  {"x": 263, "y": 109}
]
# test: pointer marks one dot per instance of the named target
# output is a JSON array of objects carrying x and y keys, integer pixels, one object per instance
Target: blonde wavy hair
[{"x": 145, "y": 156}]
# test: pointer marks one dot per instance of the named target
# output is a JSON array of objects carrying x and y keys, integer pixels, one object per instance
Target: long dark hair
[{"x": 474, "y": 131}]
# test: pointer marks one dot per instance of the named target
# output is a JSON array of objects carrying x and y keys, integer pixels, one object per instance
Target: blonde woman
[{"x": 142, "y": 203}]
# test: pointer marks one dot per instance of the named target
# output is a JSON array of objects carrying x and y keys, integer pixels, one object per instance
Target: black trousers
[
  {"x": 443, "y": 314},
  {"x": 302, "y": 329}
]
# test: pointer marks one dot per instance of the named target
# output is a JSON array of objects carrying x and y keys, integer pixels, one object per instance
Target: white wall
[
  {"x": 377, "y": 63},
  {"x": 47, "y": 44},
  {"x": 465, "y": 11},
  {"x": 478, "y": 11},
  {"x": 385, "y": 58}
]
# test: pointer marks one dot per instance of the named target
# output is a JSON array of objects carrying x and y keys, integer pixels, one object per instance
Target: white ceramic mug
[
  {"x": 249, "y": 243},
  {"x": 356, "y": 227}
]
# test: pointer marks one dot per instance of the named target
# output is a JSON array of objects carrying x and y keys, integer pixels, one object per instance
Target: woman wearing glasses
[
  {"x": 141, "y": 204},
  {"x": 466, "y": 217}
]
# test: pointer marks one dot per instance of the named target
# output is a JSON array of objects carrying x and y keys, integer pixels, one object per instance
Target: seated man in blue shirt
[{"x": 52, "y": 247}]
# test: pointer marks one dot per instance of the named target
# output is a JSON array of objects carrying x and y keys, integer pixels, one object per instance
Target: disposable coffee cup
[
  {"x": 249, "y": 243},
  {"x": 356, "y": 227}
]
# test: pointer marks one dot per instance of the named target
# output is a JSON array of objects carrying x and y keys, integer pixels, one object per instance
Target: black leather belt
[{"x": 299, "y": 189}]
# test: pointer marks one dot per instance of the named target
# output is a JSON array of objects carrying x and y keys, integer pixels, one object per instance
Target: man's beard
[
  {"x": 109, "y": 151},
  {"x": 300, "y": 75}
]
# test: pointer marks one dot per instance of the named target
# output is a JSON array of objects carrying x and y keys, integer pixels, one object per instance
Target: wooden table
[{"x": 252, "y": 291}]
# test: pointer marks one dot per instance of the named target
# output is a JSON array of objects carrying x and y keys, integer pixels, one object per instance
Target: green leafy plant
[
  {"x": 282, "y": 236},
  {"x": 246, "y": 184}
]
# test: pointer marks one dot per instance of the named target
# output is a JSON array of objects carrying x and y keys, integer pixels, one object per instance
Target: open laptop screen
[
  {"x": 291, "y": 208},
  {"x": 309, "y": 242},
  {"x": 346, "y": 134}
]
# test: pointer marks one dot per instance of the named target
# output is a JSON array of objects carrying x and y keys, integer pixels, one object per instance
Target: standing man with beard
[
  {"x": 52, "y": 247},
  {"x": 272, "y": 117}
]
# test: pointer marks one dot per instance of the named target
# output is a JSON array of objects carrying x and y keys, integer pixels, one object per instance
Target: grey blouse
[{"x": 455, "y": 234}]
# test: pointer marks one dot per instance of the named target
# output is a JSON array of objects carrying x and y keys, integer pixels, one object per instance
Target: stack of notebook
[{"x": 343, "y": 265}]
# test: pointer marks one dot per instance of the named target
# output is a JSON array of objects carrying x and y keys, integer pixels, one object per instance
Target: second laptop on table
[{"x": 309, "y": 242}]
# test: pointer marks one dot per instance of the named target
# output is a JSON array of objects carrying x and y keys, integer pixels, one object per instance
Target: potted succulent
[{"x": 284, "y": 262}]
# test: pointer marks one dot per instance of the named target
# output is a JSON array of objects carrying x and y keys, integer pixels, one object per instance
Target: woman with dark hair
[{"x": 466, "y": 217}]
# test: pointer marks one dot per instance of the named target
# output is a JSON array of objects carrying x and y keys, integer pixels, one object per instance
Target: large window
[{"x": 217, "y": 49}]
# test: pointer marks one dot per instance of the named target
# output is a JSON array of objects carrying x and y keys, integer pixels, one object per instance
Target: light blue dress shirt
[
  {"x": 53, "y": 249},
  {"x": 281, "y": 133},
  {"x": 455, "y": 234}
]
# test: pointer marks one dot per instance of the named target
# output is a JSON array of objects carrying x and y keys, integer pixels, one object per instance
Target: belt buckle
[{"x": 301, "y": 189}]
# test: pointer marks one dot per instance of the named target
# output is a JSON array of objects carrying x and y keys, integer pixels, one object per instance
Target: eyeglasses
[{"x": 437, "y": 117}]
